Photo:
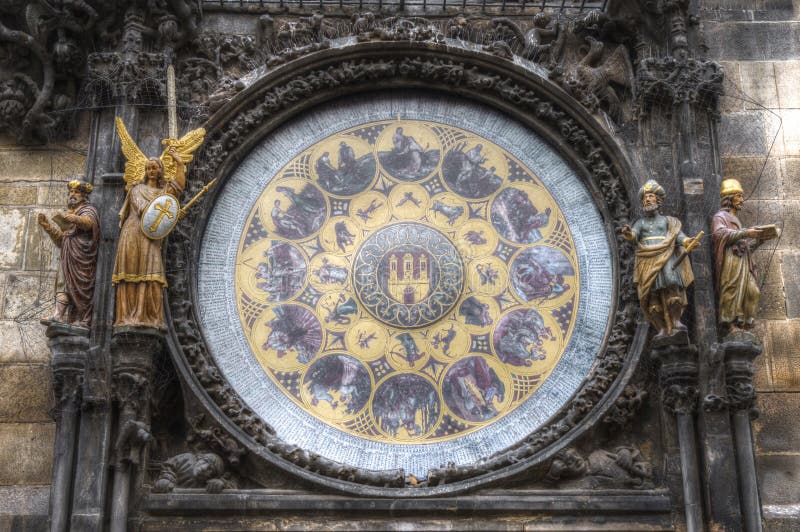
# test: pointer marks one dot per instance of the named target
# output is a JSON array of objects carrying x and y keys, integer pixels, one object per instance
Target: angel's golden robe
[{"x": 138, "y": 269}]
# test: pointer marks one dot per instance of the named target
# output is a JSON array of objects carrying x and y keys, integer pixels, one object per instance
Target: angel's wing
[
  {"x": 136, "y": 160},
  {"x": 185, "y": 146}
]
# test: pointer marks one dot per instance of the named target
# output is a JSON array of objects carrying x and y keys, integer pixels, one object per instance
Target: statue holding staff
[
  {"x": 662, "y": 270},
  {"x": 738, "y": 292},
  {"x": 77, "y": 234}
]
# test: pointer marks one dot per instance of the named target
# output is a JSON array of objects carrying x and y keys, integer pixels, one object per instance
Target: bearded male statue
[
  {"x": 735, "y": 273},
  {"x": 76, "y": 232},
  {"x": 662, "y": 270}
]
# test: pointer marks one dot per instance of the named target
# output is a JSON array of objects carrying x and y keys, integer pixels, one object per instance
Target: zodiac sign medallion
[{"x": 406, "y": 281}]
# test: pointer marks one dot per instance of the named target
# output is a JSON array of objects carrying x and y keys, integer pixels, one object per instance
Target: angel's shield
[{"x": 160, "y": 216}]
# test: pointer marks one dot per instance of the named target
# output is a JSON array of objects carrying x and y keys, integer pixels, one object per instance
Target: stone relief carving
[
  {"x": 434, "y": 70},
  {"x": 131, "y": 391},
  {"x": 44, "y": 47},
  {"x": 622, "y": 467},
  {"x": 626, "y": 407},
  {"x": 589, "y": 56}
]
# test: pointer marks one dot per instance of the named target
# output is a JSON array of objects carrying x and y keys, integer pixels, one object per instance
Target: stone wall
[
  {"x": 32, "y": 180},
  {"x": 758, "y": 42}
]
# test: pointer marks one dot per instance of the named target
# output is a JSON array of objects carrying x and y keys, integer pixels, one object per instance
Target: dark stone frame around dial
[{"x": 282, "y": 93}]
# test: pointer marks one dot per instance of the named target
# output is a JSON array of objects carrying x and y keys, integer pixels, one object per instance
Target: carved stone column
[
  {"x": 68, "y": 362},
  {"x": 678, "y": 381},
  {"x": 132, "y": 352},
  {"x": 740, "y": 351}
]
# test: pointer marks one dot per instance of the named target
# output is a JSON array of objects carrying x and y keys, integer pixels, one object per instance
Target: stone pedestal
[
  {"x": 678, "y": 376},
  {"x": 132, "y": 353},
  {"x": 68, "y": 349},
  {"x": 740, "y": 350}
]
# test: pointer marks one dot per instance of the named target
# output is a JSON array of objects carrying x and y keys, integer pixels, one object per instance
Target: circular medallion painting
[{"x": 390, "y": 284}]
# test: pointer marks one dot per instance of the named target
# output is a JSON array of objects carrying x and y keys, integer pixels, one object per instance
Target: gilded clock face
[{"x": 406, "y": 282}]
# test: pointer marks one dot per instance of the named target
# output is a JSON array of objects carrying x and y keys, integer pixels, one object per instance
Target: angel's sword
[{"x": 172, "y": 103}]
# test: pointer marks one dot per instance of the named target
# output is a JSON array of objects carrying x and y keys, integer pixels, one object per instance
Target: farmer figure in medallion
[{"x": 661, "y": 272}]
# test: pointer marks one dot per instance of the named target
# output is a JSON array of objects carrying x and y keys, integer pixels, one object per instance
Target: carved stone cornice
[
  {"x": 333, "y": 72},
  {"x": 68, "y": 363},
  {"x": 667, "y": 81},
  {"x": 740, "y": 351},
  {"x": 46, "y": 50},
  {"x": 678, "y": 374}
]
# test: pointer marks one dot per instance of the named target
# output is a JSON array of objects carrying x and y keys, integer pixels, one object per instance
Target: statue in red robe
[{"x": 78, "y": 239}]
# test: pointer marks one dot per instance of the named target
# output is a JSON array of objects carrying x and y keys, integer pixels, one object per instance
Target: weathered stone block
[
  {"x": 790, "y": 176},
  {"x": 53, "y": 194},
  {"x": 760, "y": 179},
  {"x": 24, "y": 500},
  {"x": 791, "y": 131},
  {"x": 787, "y": 79},
  {"x": 749, "y": 134},
  {"x": 743, "y": 41},
  {"x": 782, "y": 346},
  {"x": 41, "y": 252},
  {"x": 777, "y": 430},
  {"x": 19, "y": 195},
  {"x": 790, "y": 239},
  {"x": 779, "y": 478},
  {"x": 26, "y": 393},
  {"x": 12, "y": 237},
  {"x": 26, "y": 451},
  {"x": 23, "y": 342},
  {"x": 28, "y": 297},
  {"x": 758, "y": 82},
  {"x": 763, "y": 375},
  {"x": 731, "y": 101},
  {"x": 773, "y": 302},
  {"x": 791, "y": 283},
  {"x": 39, "y": 165}
]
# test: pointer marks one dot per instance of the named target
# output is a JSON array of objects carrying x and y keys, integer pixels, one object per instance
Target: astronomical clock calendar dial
[{"x": 394, "y": 283}]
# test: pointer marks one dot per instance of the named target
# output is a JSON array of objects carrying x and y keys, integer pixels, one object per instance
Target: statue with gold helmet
[
  {"x": 76, "y": 232},
  {"x": 735, "y": 272},
  {"x": 662, "y": 269}
]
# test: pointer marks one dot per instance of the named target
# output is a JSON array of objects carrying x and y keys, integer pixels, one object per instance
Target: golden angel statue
[{"x": 150, "y": 211}]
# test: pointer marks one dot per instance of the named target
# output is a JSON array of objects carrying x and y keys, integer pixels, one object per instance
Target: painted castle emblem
[
  {"x": 408, "y": 275},
  {"x": 408, "y": 281}
]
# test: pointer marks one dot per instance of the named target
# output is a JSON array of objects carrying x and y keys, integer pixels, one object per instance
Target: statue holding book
[
  {"x": 76, "y": 232},
  {"x": 738, "y": 292}
]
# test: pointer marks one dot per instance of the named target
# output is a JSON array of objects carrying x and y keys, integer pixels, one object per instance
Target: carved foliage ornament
[{"x": 350, "y": 75}]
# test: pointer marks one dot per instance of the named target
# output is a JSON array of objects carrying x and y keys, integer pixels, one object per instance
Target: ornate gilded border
[{"x": 278, "y": 95}]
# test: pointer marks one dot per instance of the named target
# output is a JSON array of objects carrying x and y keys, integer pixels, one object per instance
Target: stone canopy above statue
[{"x": 405, "y": 281}]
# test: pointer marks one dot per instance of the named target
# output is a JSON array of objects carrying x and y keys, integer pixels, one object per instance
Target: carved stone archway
[{"x": 513, "y": 88}]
